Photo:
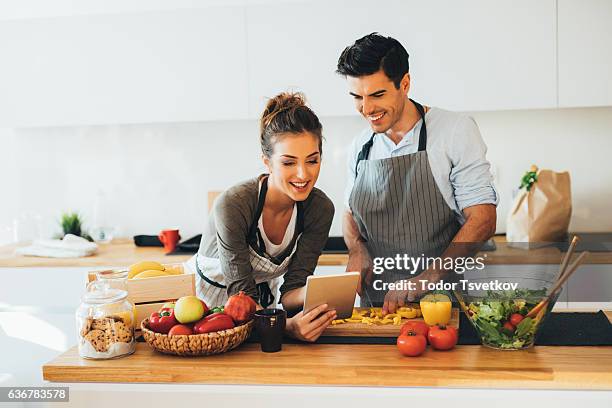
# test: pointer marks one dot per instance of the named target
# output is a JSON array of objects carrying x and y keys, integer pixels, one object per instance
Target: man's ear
[{"x": 405, "y": 83}]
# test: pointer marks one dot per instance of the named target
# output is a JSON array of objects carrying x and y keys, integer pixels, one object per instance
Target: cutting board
[{"x": 387, "y": 330}]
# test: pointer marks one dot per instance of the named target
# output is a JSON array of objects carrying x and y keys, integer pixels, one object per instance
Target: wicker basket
[{"x": 197, "y": 344}]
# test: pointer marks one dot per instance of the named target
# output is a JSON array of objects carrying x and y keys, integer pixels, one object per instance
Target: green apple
[{"x": 188, "y": 309}]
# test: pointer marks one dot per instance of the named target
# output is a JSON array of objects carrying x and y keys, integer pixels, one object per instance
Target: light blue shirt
[{"x": 456, "y": 153}]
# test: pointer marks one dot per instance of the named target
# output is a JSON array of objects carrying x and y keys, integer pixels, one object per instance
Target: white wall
[{"x": 157, "y": 176}]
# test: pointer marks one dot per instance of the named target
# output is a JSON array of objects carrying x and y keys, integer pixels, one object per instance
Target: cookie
[
  {"x": 98, "y": 339},
  {"x": 103, "y": 323},
  {"x": 86, "y": 326},
  {"x": 120, "y": 333}
]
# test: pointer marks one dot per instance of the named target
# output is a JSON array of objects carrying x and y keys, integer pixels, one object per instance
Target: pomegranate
[{"x": 240, "y": 307}]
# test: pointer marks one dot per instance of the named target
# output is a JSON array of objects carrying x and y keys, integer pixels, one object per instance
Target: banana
[
  {"x": 151, "y": 274},
  {"x": 144, "y": 266},
  {"x": 174, "y": 269}
]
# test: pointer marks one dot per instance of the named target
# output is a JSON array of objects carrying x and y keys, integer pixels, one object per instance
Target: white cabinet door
[
  {"x": 585, "y": 53},
  {"x": 142, "y": 67},
  {"x": 469, "y": 55}
]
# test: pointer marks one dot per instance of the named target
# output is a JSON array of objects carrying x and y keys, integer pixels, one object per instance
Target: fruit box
[{"x": 148, "y": 295}]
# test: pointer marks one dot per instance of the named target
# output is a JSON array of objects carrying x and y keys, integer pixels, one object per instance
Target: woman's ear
[{"x": 266, "y": 162}]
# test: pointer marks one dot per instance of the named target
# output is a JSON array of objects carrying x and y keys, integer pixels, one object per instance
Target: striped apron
[
  {"x": 267, "y": 271},
  {"x": 399, "y": 209}
]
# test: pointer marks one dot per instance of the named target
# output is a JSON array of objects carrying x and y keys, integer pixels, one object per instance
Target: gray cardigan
[{"x": 226, "y": 237}]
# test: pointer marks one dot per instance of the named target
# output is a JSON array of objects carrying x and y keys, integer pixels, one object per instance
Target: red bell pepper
[
  {"x": 213, "y": 323},
  {"x": 162, "y": 321}
]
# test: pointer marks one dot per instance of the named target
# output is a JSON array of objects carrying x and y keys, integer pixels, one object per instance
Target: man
[{"x": 418, "y": 178}]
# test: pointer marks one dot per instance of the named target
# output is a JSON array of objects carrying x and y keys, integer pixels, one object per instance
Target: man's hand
[{"x": 398, "y": 298}]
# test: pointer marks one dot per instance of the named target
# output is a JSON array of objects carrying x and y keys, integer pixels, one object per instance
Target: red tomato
[
  {"x": 411, "y": 344},
  {"x": 179, "y": 330},
  {"x": 516, "y": 318},
  {"x": 443, "y": 337},
  {"x": 509, "y": 326},
  {"x": 418, "y": 326}
]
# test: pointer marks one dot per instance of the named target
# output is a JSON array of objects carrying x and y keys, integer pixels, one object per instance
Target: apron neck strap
[
  {"x": 254, "y": 237},
  {"x": 423, "y": 132}
]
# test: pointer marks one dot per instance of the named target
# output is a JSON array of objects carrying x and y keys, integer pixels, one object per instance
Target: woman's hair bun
[{"x": 287, "y": 113}]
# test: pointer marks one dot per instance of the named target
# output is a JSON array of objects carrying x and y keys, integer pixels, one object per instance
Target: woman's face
[{"x": 295, "y": 163}]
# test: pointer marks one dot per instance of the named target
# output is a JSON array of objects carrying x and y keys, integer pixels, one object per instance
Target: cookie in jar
[{"x": 105, "y": 326}]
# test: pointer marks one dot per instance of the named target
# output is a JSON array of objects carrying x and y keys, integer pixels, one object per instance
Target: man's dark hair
[{"x": 372, "y": 53}]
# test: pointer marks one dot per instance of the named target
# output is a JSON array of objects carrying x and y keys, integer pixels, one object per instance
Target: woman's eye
[
  {"x": 313, "y": 161},
  {"x": 288, "y": 163}
]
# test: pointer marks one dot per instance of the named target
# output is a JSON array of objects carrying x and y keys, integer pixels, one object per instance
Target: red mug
[{"x": 169, "y": 238}]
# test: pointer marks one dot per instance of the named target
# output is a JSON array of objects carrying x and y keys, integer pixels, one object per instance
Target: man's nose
[{"x": 367, "y": 107}]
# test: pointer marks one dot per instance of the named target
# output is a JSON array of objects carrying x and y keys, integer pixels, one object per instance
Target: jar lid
[{"x": 100, "y": 292}]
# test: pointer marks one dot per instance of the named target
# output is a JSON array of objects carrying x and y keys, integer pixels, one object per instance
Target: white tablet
[{"x": 338, "y": 291}]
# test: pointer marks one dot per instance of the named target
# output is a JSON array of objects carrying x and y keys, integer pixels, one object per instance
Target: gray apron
[
  {"x": 399, "y": 209},
  {"x": 267, "y": 271}
]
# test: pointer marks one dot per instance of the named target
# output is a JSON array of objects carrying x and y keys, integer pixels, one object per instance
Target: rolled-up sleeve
[
  {"x": 232, "y": 229},
  {"x": 318, "y": 219},
  {"x": 470, "y": 174}
]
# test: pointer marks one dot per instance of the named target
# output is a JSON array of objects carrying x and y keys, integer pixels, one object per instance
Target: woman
[{"x": 265, "y": 235}]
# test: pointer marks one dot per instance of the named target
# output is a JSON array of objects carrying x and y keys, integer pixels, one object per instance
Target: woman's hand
[{"x": 309, "y": 326}]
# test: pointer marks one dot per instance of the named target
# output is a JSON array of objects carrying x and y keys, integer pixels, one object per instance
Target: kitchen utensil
[
  {"x": 378, "y": 330},
  {"x": 270, "y": 325},
  {"x": 568, "y": 255},
  {"x": 555, "y": 289},
  {"x": 169, "y": 237}
]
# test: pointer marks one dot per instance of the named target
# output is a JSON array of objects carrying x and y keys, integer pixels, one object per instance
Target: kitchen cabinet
[
  {"x": 474, "y": 55},
  {"x": 185, "y": 65},
  {"x": 585, "y": 53}
]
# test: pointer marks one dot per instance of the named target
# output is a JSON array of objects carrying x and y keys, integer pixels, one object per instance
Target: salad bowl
[{"x": 500, "y": 316}]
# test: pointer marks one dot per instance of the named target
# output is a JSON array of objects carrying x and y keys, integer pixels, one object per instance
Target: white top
[
  {"x": 271, "y": 248},
  {"x": 456, "y": 153}
]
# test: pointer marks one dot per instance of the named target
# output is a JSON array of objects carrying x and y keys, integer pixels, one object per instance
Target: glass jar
[{"x": 105, "y": 322}]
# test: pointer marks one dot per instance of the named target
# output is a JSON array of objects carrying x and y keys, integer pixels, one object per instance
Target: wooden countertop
[
  {"x": 119, "y": 253},
  {"x": 123, "y": 252},
  {"x": 352, "y": 365}
]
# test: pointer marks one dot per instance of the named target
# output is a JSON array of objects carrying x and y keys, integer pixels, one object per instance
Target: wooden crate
[{"x": 148, "y": 295}]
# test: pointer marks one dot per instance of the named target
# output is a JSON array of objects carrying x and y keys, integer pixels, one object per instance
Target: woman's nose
[{"x": 301, "y": 171}]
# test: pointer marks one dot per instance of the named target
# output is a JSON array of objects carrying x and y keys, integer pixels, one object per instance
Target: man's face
[{"x": 378, "y": 100}]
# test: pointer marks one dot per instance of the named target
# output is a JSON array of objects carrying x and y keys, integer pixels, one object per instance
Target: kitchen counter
[
  {"x": 123, "y": 252},
  {"x": 576, "y": 368}
]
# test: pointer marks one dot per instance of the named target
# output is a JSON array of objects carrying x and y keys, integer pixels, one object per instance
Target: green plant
[
  {"x": 72, "y": 223},
  {"x": 529, "y": 178}
]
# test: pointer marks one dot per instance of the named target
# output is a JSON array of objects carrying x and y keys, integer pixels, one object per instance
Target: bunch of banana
[
  {"x": 152, "y": 269},
  {"x": 374, "y": 316}
]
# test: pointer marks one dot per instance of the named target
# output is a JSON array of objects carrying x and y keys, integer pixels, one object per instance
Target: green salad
[{"x": 500, "y": 318}]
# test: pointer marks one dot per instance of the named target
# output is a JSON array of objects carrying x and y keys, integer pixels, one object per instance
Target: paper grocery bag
[{"x": 543, "y": 213}]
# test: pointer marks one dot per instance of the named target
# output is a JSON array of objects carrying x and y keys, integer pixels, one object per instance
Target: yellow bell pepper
[{"x": 436, "y": 309}]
